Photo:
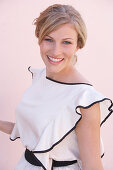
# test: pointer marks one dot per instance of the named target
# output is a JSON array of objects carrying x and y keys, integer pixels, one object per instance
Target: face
[{"x": 57, "y": 50}]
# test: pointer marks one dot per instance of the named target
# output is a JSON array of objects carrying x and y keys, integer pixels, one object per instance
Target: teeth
[{"x": 55, "y": 60}]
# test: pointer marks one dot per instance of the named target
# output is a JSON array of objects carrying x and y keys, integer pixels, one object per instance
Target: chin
[{"x": 53, "y": 70}]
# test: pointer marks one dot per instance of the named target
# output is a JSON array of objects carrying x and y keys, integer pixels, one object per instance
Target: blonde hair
[{"x": 56, "y": 15}]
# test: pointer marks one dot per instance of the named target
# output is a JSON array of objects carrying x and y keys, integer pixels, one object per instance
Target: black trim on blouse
[
  {"x": 30, "y": 71},
  {"x": 110, "y": 112},
  {"x": 65, "y": 82},
  {"x": 109, "y": 109},
  {"x": 59, "y": 81}
]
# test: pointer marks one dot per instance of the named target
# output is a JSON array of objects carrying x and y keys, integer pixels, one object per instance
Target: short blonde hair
[{"x": 56, "y": 15}]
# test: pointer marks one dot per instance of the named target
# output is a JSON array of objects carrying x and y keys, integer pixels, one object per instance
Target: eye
[
  {"x": 67, "y": 42},
  {"x": 48, "y": 39}
]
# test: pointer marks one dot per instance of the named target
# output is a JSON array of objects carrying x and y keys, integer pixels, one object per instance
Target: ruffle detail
[
  {"x": 105, "y": 102},
  {"x": 92, "y": 97},
  {"x": 15, "y": 133},
  {"x": 33, "y": 71},
  {"x": 71, "y": 120},
  {"x": 49, "y": 130},
  {"x": 36, "y": 73}
]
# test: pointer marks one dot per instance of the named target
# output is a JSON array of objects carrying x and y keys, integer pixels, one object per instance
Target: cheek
[
  {"x": 43, "y": 48},
  {"x": 70, "y": 52}
]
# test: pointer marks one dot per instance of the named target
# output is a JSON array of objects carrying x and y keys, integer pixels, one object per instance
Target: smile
[{"x": 55, "y": 59}]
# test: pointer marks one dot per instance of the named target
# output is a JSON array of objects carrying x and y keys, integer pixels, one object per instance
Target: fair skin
[
  {"x": 6, "y": 126},
  {"x": 88, "y": 135},
  {"x": 62, "y": 44}
]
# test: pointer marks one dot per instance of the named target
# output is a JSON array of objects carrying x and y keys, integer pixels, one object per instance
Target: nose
[{"x": 56, "y": 49}]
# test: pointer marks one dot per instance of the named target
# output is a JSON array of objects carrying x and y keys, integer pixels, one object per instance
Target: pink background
[{"x": 19, "y": 50}]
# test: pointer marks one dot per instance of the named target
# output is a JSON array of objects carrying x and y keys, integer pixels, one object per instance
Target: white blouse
[{"x": 48, "y": 113}]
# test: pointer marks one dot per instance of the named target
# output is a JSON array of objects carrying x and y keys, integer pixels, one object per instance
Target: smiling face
[{"x": 57, "y": 50}]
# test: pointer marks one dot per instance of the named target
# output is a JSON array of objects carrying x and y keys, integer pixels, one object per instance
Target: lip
[
  {"x": 54, "y": 57},
  {"x": 53, "y": 62}
]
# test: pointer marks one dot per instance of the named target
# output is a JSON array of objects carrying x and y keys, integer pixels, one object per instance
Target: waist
[{"x": 32, "y": 159}]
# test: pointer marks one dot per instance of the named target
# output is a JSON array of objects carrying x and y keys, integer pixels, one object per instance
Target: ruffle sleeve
[
  {"x": 91, "y": 97},
  {"x": 55, "y": 135},
  {"x": 70, "y": 117},
  {"x": 35, "y": 72},
  {"x": 50, "y": 116},
  {"x": 15, "y": 132}
]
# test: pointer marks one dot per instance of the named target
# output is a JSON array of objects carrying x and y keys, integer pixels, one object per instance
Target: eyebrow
[{"x": 63, "y": 39}]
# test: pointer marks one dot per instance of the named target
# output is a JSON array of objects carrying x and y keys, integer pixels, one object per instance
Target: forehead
[{"x": 64, "y": 31}]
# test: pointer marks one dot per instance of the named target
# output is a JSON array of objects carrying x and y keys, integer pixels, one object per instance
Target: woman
[{"x": 59, "y": 116}]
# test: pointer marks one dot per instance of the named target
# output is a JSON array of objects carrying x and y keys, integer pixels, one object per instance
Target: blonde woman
[{"x": 59, "y": 116}]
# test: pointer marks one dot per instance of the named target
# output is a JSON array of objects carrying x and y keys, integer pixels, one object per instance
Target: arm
[
  {"x": 6, "y": 127},
  {"x": 88, "y": 136}
]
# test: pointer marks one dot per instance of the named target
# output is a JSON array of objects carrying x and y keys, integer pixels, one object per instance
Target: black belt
[{"x": 32, "y": 159}]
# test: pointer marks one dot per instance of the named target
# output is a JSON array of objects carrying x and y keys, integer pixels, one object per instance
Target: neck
[{"x": 68, "y": 75}]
